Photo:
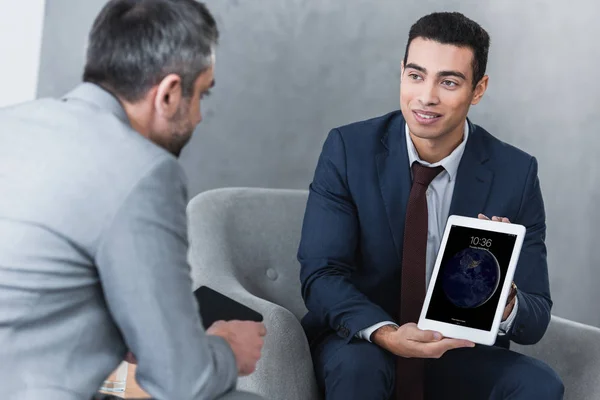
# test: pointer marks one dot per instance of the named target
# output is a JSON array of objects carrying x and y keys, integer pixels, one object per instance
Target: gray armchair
[{"x": 243, "y": 243}]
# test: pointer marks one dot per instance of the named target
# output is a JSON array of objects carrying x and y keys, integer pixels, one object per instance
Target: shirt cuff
[
  {"x": 366, "y": 333},
  {"x": 506, "y": 325}
]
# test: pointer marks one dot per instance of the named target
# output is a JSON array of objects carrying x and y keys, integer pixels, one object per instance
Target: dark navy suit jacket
[{"x": 351, "y": 246}]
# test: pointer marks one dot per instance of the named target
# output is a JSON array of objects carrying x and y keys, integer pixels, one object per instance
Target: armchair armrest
[
  {"x": 285, "y": 370},
  {"x": 573, "y": 350}
]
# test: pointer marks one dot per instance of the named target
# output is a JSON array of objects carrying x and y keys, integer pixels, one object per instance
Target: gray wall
[{"x": 290, "y": 70}]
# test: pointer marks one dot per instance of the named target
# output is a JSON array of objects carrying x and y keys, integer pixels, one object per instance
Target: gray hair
[{"x": 134, "y": 44}]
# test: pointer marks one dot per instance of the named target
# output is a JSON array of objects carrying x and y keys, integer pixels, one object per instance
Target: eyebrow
[{"x": 440, "y": 74}]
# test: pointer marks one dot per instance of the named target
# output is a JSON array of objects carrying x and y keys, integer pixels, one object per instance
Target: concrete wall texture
[{"x": 290, "y": 70}]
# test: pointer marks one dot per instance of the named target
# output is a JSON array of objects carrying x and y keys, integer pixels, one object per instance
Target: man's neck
[
  {"x": 137, "y": 113},
  {"x": 138, "y": 117},
  {"x": 435, "y": 150}
]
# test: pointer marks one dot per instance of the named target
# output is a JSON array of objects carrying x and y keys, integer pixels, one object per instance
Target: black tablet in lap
[{"x": 215, "y": 306}]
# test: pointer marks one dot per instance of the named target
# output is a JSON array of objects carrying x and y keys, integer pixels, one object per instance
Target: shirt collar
[{"x": 450, "y": 163}]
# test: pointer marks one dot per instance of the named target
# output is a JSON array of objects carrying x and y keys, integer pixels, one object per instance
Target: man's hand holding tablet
[{"x": 411, "y": 342}]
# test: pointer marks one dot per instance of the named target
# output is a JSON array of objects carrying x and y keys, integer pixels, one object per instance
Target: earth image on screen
[{"x": 471, "y": 277}]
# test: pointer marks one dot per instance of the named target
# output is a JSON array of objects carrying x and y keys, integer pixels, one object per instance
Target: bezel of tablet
[{"x": 462, "y": 332}]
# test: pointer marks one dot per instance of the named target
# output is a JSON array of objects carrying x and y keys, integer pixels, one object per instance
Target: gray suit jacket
[{"x": 93, "y": 257}]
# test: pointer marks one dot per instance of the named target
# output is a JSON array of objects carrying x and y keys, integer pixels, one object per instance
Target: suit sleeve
[
  {"x": 328, "y": 247},
  {"x": 142, "y": 263},
  {"x": 531, "y": 276}
]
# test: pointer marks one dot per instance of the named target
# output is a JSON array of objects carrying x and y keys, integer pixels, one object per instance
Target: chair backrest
[{"x": 252, "y": 234}]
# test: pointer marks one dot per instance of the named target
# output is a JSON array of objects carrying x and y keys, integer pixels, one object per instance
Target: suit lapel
[
  {"x": 395, "y": 179},
  {"x": 474, "y": 178}
]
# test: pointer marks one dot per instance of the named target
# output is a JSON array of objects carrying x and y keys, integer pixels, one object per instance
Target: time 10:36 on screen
[{"x": 483, "y": 242}]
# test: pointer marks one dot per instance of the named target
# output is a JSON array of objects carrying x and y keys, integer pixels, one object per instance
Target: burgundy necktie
[{"x": 409, "y": 371}]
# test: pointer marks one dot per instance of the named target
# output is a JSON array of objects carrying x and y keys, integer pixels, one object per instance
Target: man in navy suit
[{"x": 354, "y": 235}]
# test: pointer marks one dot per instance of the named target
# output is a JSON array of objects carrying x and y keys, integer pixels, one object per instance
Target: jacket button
[{"x": 343, "y": 330}]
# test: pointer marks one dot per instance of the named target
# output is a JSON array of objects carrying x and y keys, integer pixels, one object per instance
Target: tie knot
[{"x": 424, "y": 175}]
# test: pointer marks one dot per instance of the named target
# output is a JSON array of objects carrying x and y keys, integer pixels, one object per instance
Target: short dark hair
[
  {"x": 134, "y": 44},
  {"x": 455, "y": 29}
]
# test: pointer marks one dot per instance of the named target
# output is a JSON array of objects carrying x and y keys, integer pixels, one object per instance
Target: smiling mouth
[{"x": 426, "y": 115}]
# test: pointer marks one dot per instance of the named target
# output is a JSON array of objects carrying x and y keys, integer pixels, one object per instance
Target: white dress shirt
[{"x": 439, "y": 197}]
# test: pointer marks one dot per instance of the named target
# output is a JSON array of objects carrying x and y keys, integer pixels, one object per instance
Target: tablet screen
[
  {"x": 215, "y": 306},
  {"x": 471, "y": 276}
]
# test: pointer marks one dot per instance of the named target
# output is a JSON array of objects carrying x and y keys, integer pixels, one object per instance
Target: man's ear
[
  {"x": 168, "y": 96},
  {"x": 480, "y": 89}
]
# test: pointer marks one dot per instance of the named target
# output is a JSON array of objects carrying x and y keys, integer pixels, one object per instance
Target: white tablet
[{"x": 471, "y": 279}]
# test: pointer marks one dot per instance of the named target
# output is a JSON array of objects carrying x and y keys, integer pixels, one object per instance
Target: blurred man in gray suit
[{"x": 93, "y": 237}]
